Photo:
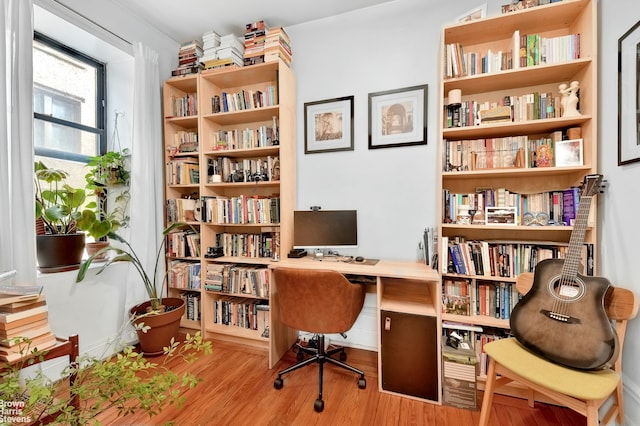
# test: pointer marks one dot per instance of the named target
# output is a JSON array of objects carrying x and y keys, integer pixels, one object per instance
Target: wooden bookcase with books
[
  {"x": 244, "y": 194},
  {"x": 507, "y": 194}
]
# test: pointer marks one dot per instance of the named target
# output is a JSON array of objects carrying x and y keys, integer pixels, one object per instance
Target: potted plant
[
  {"x": 125, "y": 382},
  {"x": 58, "y": 207},
  {"x": 107, "y": 181},
  {"x": 160, "y": 315}
]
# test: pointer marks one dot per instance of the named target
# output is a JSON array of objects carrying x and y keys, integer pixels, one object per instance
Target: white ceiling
[{"x": 183, "y": 20}]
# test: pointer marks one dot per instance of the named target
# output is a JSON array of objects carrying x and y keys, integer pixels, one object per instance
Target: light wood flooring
[{"x": 237, "y": 389}]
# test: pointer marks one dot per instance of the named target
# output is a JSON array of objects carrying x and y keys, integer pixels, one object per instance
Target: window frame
[{"x": 101, "y": 90}]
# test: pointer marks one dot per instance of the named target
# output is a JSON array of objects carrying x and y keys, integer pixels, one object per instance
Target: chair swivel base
[{"x": 320, "y": 356}]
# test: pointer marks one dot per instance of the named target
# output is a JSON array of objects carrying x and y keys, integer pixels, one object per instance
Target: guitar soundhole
[{"x": 566, "y": 290}]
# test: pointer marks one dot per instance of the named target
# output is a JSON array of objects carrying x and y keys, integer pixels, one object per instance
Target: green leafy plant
[
  {"x": 126, "y": 382},
  {"x": 109, "y": 169},
  {"x": 58, "y": 204},
  {"x": 108, "y": 174},
  {"x": 154, "y": 283}
]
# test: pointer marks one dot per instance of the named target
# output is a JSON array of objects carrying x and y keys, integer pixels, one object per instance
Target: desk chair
[
  {"x": 581, "y": 391},
  {"x": 319, "y": 302}
]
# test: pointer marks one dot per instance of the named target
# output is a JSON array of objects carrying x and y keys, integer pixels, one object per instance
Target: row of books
[
  {"x": 244, "y": 100},
  {"x": 503, "y": 259},
  {"x": 192, "y": 306},
  {"x": 183, "y": 171},
  {"x": 241, "y": 312},
  {"x": 516, "y": 5},
  {"x": 552, "y": 207},
  {"x": 530, "y": 106},
  {"x": 183, "y": 244},
  {"x": 24, "y": 322},
  {"x": 487, "y": 298},
  {"x": 233, "y": 169},
  {"x": 512, "y": 151},
  {"x": 185, "y": 141},
  {"x": 183, "y": 106},
  {"x": 247, "y": 245},
  {"x": 182, "y": 210},
  {"x": 476, "y": 337},
  {"x": 526, "y": 50},
  {"x": 238, "y": 279},
  {"x": 184, "y": 275},
  {"x": 248, "y": 138},
  {"x": 243, "y": 209}
]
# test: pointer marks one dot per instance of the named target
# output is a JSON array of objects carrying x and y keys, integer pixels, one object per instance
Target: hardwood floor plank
[{"x": 237, "y": 389}]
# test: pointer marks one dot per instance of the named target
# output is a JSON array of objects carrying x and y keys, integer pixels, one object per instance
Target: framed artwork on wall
[
  {"x": 629, "y": 96},
  {"x": 398, "y": 117},
  {"x": 328, "y": 125}
]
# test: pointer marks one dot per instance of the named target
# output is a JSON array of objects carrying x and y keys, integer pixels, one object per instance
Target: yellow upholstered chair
[
  {"x": 319, "y": 302},
  {"x": 582, "y": 391}
]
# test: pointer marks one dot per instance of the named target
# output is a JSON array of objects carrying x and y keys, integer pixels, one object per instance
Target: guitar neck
[{"x": 574, "y": 252}]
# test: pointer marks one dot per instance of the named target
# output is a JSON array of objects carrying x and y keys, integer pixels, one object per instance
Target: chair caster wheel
[
  {"x": 318, "y": 405},
  {"x": 343, "y": 356},
  {"x": 300, "y": 356},
  {"x": 277, "y": 383},
  {"x": 362, "y": 383}
]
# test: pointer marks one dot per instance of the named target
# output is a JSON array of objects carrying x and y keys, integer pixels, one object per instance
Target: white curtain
[
  {"x": 146, "y": 170},
  {"x": 17, "y": 211}
]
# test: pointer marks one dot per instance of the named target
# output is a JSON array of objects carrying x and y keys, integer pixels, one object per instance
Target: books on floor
[{"x": 23, "y": 316}]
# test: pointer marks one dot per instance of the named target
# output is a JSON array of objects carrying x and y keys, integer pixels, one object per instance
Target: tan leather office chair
[
  {"x": 319, "y": 302},
  {"x": 582, "y": 391}
]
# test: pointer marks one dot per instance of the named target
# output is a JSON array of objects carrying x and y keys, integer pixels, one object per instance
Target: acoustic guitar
[{"x": 562, "y": 317}]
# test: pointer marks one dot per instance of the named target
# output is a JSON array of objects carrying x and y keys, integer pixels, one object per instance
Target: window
[{"x": 69, "y": 104}]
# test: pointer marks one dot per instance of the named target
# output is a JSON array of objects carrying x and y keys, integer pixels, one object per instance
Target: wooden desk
[{"x": 408, "y": 318}]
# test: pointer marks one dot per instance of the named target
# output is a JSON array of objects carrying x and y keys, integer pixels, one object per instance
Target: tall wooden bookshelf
[
  {"x": 245, "y": 123},
  {"x": 462, "y": 175}
]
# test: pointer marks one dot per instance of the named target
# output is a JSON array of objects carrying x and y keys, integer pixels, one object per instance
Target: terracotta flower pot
[
  {"x": 95, "y": 246},
  {"x": 163, "y": 325}
]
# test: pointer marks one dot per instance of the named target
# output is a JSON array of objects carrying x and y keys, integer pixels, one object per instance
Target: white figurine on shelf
[{"x": 570, "y": 99}]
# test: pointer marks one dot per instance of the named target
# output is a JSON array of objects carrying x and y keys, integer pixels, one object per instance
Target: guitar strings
[{"x": 568, "y": 277}]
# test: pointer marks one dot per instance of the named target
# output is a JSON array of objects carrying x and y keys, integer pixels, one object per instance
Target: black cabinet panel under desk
[{"x": 409, "y": 354}]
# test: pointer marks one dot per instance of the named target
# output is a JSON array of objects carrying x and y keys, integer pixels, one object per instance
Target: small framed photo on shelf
[
  {"x": 629, "y": 96},
  {"x": 398, "y": 117},
  {"x": 569, "y": 153},
  {"x": 328, "y": 125},
  {"x": 501, "y": 216},
  {"x": 476, "y": 13}
]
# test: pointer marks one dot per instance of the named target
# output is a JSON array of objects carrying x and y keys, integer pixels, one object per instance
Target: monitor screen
[{"x": 325, "y": 228}]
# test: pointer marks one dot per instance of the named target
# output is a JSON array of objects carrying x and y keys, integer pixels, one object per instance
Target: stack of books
[
  {"x": 210, "y": 43},
  {"x": 229, "y": 53},
  {"x": 277, "y": 46},
  {"x": 189, "y": 58},
  {"x": 255, "y": 36},
  {"x": 23, "y": 315}
]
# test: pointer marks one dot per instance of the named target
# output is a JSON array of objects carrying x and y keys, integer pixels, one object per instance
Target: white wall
[{"x": 619, "y": 204}]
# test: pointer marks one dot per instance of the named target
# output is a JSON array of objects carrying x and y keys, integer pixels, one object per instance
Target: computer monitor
[{"x": 325, "y": 229}]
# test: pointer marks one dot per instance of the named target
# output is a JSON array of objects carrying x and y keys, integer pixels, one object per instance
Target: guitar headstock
[{"x": 591, "y": 185}]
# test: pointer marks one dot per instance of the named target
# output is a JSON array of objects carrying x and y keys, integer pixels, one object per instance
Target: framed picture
[
  {"x": 398, "y": 117},
  {"x": 569, "y": 153},
  {"x": 477, "y": 13},
  {"x": 629, "y": 96},
  {"x": 328, "y": 125}
]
